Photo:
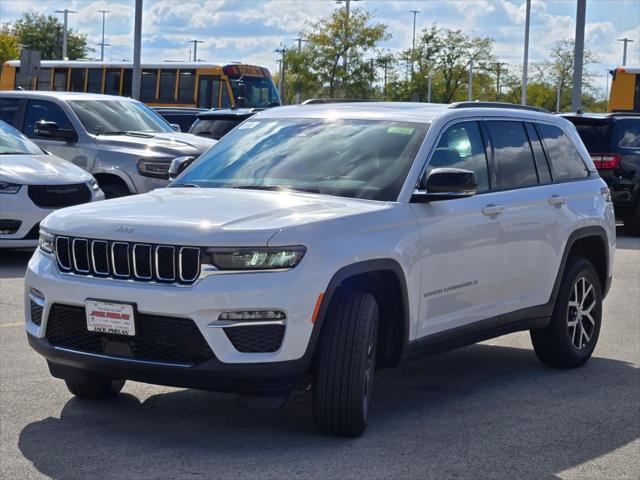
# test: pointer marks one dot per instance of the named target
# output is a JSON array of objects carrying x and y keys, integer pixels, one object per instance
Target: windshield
[
  {"x": 254, "y": 92},
  {"x": 115, "y": 117},
  {"x": 595, "y": 136},
  {"x": 350, "y": 158},
  {"x": 12, "y": 142},
  {"x": 215, "y": 129}
]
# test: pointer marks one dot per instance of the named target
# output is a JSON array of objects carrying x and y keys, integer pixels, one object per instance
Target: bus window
[
  {"x": 112, "y": 81},
  {"x": 208, "y": 88},
  {"x": 77, "y": 80},
  {"x": 44, "y": 79},
  {"x": 167, "y": 85},
  {"x": 126, "y": 83},
  {"x": 225, "y": 102},
  {"x": 94, "y": 84},
  {"x": 148, "y": 85},
  {"x": 186, "y": 85},
  {"x": 60, "y": 79}
]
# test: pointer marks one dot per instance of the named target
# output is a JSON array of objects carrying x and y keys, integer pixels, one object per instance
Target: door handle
[
  {"x": 557, "y": 200},
  {"x": 492, "y": 209}
]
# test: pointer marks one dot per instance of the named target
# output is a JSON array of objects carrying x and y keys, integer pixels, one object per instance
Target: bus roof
[
  {"x": 99, "y": 64},
  {"x": 635, "y": 70}
]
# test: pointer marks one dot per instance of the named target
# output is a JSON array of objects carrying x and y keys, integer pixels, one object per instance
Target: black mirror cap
[
  {"x": 446, "y": 184},
  {"x": 51, "y": 130},
  {"x": 179, "y": 165}
]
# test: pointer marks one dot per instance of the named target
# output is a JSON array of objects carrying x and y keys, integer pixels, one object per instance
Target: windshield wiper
[
  {"x": 277, "y": 188},
  {"x": 130, "y": 133}
]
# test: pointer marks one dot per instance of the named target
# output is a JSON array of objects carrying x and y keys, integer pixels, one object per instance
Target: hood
[
  {"x": 40, "y": 170},
  {"x": 201, "y": 216},
  {"x": 169, "y": 144}
]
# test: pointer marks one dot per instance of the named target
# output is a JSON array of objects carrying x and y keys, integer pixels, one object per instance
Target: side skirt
[{"x": 526, "y": 319}]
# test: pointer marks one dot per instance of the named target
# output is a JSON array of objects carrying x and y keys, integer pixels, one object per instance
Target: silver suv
[{"x": 124, "y": 144}]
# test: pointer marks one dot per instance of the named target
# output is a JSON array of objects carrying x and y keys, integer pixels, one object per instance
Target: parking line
[{"x": 8, "y": 325}]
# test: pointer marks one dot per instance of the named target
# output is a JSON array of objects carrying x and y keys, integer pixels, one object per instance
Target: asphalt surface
[{"x": 486, "y": 411}]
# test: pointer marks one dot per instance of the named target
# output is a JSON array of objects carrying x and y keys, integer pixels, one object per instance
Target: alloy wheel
[{"x": 581, "y": 323}]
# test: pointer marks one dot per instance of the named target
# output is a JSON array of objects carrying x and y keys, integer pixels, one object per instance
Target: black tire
[
  {"x": 571, "y": 336},
  {"x": 95, "y": 388},
  {"x": 114, "y": 190},
  {"x": 343, "y": 379}
]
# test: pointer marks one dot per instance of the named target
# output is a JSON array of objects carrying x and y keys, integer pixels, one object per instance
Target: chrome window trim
[
  {"x": 113, "y": 260},
  {"x": 173, "y": 257},
  {"x": 66, "y": 269},
  {"x": 135, "y": 269},
  {"x": 180, "y": 264},
  {"x": 73, "y": 249},
  {"x": 93, "y": 256}
]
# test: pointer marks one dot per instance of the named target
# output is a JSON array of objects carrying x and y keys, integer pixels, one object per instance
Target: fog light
[{"x": 252, "y": 315}]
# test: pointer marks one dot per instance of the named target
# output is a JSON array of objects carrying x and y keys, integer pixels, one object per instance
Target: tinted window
[
  {"x": 629, "y": 136},
  {"x": 461, "y": 146},
  {"x": 512, "y": 153},
  {"x": 148, "y": 85},
  {"x": 117, "y": 117},
  {"x": 112, "y": 82},
  {"x": 225, "y": 102},
  {"x": 565, "y": 159},
  {"x": 126, "y": 82},
  {"x": 595, "y": 136},
  {"x": 544, "y": 174},
  {"x": 95, "y": 80},
  {"x": 167, "y": 84},
  {"x": 8, "y": 109},
  {"x": 43, "y": 110},
  {"x": 215, "y": 129},
  {"x": 77, "y": 79},
  {"x": 186, "y": 85},
  {"x": 60, "y": 79},
  {"x": 44, "y": 79}
]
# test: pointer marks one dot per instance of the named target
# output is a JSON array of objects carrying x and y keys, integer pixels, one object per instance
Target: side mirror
[
  {"x": 50, "y": 130},
  {"x": 178, "y": 165},
  {"x": 176, "y": 127},
  {"x": 446, "y": 184}
]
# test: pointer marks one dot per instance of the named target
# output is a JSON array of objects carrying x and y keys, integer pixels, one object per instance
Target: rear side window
[
  {"x": 544, "y": 174},
  {"x": 566, "y": 162},
  {"x": 629, "y": 136},
  {"x": 514, "y": 161},
  {"x": 461, "y": 146},
  {"x": 9, "y": 109}
]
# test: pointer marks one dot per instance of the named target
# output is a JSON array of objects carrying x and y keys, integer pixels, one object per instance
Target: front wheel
[
  {"x": 571, "y": 336},
  {"x": 96, "y": 387},
  {"x": 343, "y": 380}
]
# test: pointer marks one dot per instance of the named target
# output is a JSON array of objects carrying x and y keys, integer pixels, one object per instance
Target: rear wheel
[
  {"x": 343, "y": 380},
  {"x": 571, "y": 336},
  {"x": 95, "y": 387}
]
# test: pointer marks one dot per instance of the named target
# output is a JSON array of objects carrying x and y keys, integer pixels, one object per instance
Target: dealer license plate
[{"x": 108, "y": 317}]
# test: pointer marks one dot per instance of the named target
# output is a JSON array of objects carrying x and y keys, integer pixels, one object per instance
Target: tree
[
  {"x": 9, "y": 49},
  {"x": 328, "y": 42},
  {"x": 44, "y": 33}
]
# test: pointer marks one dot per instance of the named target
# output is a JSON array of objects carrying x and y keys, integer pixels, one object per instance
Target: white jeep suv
[{"x": 314, "y": 244}]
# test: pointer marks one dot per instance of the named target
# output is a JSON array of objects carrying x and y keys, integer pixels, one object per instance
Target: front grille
[
  {"x": 36, "y": 313},
  {"x": 256, "y": 339},
  {"x": 128, "y": 261},
  {"x": 158, "y": 338},
  {"x": 58, "y": 196},
  {"x": 9, "y": 227}
]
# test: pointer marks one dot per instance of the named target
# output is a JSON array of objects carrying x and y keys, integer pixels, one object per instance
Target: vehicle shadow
[
  {"x": 13, "y": 263},
  {"x": 479, "y": 412}
]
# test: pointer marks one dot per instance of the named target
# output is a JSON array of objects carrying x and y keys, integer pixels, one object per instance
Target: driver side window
[
  {"x": 43, "y": 110},
  {"x": 461, "y": 146}
]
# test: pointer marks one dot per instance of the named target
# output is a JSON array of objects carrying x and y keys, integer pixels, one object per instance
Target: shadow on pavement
[
  {"x": 480, "y": 412},
  {"x": 13, "y": 263}
]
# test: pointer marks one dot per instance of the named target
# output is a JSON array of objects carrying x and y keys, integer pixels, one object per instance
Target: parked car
[
  {"x": 182, "y": 117},
  {"x": 123, "y": 143},
  {"x": 613, "y": 141},
  {"x": 313, "y": 245},
  {"x": 217, "y": 123},
  {"x": 34, "y": 183}
]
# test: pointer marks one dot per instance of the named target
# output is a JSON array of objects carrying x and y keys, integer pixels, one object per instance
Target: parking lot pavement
[{"x": 485, "y": 411}]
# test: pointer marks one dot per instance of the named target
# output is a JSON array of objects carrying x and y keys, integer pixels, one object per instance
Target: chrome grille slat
[{"x": 130, "y": 261}]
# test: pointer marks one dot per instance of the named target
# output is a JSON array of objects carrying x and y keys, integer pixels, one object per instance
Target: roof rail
[
  {"x": 314, "y": 101},
  {"x": 623, "y": 113},
  {"x": 497, "y": 105}
]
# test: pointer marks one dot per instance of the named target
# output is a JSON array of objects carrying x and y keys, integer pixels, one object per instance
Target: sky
[{"x": 251, "y": 30}]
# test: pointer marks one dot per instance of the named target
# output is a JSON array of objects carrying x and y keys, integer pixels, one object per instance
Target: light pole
[
  {"x": 66, "y": 13},
  {"x": 525, "y": 64},
  {"x": 136, "y": 74},
  {"x": 282, "y": 50},
  {"x": 195, "y": 48},
  {"x": 470, "y": 91},
  {"x": 625, "y": 40},
  {"x": 102, "y": 45},
  {"x": 298, "y": 94},
  {"x": 498, "y": 71},
  {"x": 413, "y": 43},
  {"x": 578, "y": 56}
]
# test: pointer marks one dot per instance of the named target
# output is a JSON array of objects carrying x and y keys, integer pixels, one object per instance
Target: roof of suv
[{"x": 62, "y": 95}]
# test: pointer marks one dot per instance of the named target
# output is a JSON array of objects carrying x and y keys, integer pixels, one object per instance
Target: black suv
[
  {"x": 217, "y": 123},
  {"x": 613, "y": 140}
]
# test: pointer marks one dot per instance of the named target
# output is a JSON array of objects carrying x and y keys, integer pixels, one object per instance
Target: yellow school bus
[
  {"x": 166, "y": 84},
  {"x": 625, "y": 90}
]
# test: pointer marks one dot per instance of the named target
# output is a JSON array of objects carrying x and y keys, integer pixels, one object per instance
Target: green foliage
[
  {"x": 44, "y": 33},
  {"x": 8, "y": 47}
]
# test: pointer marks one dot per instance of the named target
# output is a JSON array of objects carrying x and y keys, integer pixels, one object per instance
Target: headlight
[
  {"x": 268, "y": 258},
  {"x": 94, "y": 185},
  {"x": 154, "y": 168},
  {"x": 46, "y": 242},
  {"x": 6, "y": 187}
]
